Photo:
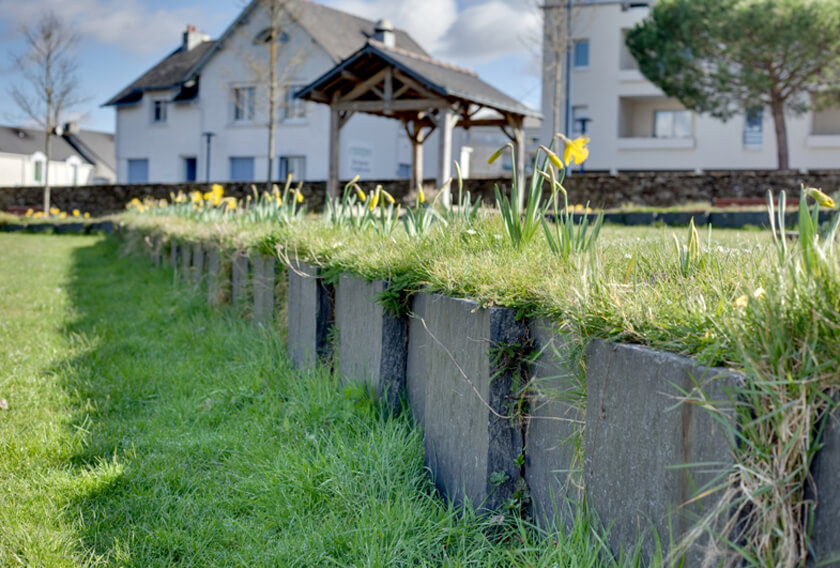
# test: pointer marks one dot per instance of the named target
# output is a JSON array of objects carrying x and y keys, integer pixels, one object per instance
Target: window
[
  {"x": 38, "y": 171},
  {"x": 138, "y": 171},
  {"x": 295, "y": 165},
  {"x": 672, "y": 124},
  {"x": 294, "y": 108},
  {"x": 581, "y": 54},
  {"x": 244, "y": 103},
  {"x": 580, "y": 120},
  {"x": 404, "y": 171},
  {"x": 242, "y": 169},
  {"x": 190, "y": 168},
  {"x": 74, "y": 174},
  {"x": 159, "y": 111},
  {"x": 753, "y": 128}
]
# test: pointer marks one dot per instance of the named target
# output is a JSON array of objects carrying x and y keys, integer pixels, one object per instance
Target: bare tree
[
  {"x": 49, "y": 87},
  {"x": 271, "y": 61},
  {"x": 558, "y": 19}
]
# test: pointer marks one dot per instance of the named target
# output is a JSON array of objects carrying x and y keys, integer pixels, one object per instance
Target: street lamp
[{"x": 208, "y": 136}]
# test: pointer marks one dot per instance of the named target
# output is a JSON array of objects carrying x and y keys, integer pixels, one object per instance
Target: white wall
[
  {"x": 607, "y": 88},
  {"x": 19, "y": 170}
]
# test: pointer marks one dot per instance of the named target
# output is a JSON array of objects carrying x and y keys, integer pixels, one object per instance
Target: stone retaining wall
[
  {"x": 656, "y": 189},
  {"x": 632, "y": 444}
]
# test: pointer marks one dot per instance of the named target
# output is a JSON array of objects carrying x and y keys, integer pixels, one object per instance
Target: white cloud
[
  {"x": 425, "y": 20},
  {"x": 488, "y": 30},
  {"x": 128, "y": 24}
]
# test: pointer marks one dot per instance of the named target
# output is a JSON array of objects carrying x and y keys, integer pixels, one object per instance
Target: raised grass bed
[{"x": 726, "y": 309}]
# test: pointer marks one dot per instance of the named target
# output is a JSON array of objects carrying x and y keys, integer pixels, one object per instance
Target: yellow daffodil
[
  {"x": 819, "y": 197},
  {"x": 495, "y": 155},
  {"x": 62, "y": 215},
  {"x": 552, "y": 157},
  {"x": 298, "y": 196},
  {"x": 741, "y": 302},
  {"x": 196, "y": 197},
  {"x": 421, "y": 197},
  {"x": 38, "y": 214},
  {"x": 230, "y": 203},
  {"x": 374, "y": 201},
  {"x": 575, "y": 150},
  {"x": 388, "y": 197},
  {"x": 29, "y": 212},
  {"x": 56, "y": 210},
  {"x": 76, "y": 213},
  {"x": 217, "y": 188},
  {"x": 355, "y": 179},
  {"x": 87, "y": 215},
  {"x": 360, "y": 194}
]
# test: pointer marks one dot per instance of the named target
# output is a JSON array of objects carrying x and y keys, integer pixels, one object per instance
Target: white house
[
  {"x": 634, "y": 126},
  {"x": 77, "y": 157},
  {"x": 200, "y": 115}
]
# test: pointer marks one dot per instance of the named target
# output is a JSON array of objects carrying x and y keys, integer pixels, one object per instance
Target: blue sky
[{"x": 121, "y": 39}]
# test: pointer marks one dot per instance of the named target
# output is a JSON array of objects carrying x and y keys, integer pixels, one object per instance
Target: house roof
[
  {"x": 96, "y": 147},
  {"x": 338, "y": 33},
  {"x": 446, "y": 80},
  {"x": 170, "y": 72},
  {"x": 27, "y": 141}
]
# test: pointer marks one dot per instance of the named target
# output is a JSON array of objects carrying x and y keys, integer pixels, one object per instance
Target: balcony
[
  {"x": 825, "y": 129},
  {"x": 688, "y": 143},
  {"x": 654, "y": 123}
]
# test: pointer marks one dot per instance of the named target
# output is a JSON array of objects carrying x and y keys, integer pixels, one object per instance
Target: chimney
[
  {"x": 384, "y": 32},
  {"x": 192, "y": 38}
]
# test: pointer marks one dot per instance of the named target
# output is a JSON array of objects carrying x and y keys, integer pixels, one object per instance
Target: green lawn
[{"x": 145, "y": 429}]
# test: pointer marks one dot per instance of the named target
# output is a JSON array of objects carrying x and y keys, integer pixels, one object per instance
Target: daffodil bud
[{"x": 820, "y": 197}]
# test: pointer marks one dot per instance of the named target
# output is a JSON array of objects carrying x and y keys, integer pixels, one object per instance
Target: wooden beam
[
  {"x": 343, "y": 117},
  {"x": 379, "y": 106},
  {"x": 483, "y": 122},
  {"x": 389, "y": 90},
  {"x": 363, "y": 87},
  {"x": 406, "y": 80},
  {"x": 320, "y": 97},
  {"x": 335, "y": 127}
]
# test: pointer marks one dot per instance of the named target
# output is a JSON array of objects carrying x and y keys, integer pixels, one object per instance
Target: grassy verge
[{"x": 145, "y": 429}]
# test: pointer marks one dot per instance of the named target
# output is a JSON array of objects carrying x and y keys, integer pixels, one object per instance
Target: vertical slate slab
[
  {"x": 637, "y": 431},
  {"x": 469, "y": 436},
  {"x": 218, "y": 277},
  {"x": 239, "y": 277},
  {"x": 555, "y": 429},
  {"x": 825, "y": 535},
  {"x": 371, "y": 342},
  {"x": 419, "y": 343},
  {"x": 173, "y": 254},
  {"x": 185, "y": 251},
  {"x": 157, "y": 250},
  {"x": 263, "y": 282},
  {"x": 309, "y": 314},
  {"x": 198, "y": 263}
]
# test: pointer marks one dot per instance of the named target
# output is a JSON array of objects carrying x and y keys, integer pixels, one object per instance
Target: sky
[{"x": 121, "y": 39}]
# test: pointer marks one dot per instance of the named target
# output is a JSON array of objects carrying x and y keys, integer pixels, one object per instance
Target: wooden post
[
  {"x": 335, "y": 126},
  {"x": 519, "y": 145},
  {"x": 444, "y": 125},
  {"x": 417, "y": 162}
]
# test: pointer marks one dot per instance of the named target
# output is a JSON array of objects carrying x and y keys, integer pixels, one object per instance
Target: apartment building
[{"x": 634, "y": 126}]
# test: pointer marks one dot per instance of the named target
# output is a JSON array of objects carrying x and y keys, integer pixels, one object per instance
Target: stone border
[
  {"x": 371, "y": 342},
  {"x": 310, "y": 314}
]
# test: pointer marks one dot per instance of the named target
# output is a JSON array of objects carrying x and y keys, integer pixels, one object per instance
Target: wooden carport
[{"x": 421, "y": 92}]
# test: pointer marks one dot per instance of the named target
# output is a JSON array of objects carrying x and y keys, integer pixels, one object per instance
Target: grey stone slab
[
  {"x": 199, "y": 263},
  {"x": 173, "y": 254},
  {"x": 553, "y": 442},
  {"x": 185, "y": 253},
  {"x": 309, "y": 316},
  {"x": 157, "y": 250},
  {"x": 239, "y": 268},
  {"x": 415, "y": 368},
  {"x": 263, "y": 283},
  {"x": 825, "y": 535},
  {"x": 638, "y": 434},
  {"x": 68, "y": 228},
  {"x": 470, "y": 434},
  {"x": 218, "y": 277},
  {"x": 371, "y": 342}
]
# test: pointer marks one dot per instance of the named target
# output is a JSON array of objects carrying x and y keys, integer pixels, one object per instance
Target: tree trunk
[
  {"x": 272, "y": 90},
  {"x": 47, "y": 151},
  {"x": 778, "y": 110}
]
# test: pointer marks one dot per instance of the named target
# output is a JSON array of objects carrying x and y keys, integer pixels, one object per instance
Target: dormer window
[
  {"x": 159, "y": 112},
  {"x": 267, "y": 35}
]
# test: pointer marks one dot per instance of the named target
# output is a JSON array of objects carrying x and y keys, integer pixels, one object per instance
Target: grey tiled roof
[
  {"x": 168, "y": 73},
  {"x": 446, "y": 80},
  {"x": 93, "y": 147},
  {"x": 339, "y": 33}
]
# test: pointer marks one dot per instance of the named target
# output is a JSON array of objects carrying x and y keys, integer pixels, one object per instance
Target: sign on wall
[{"x": 360, "y": 158}]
